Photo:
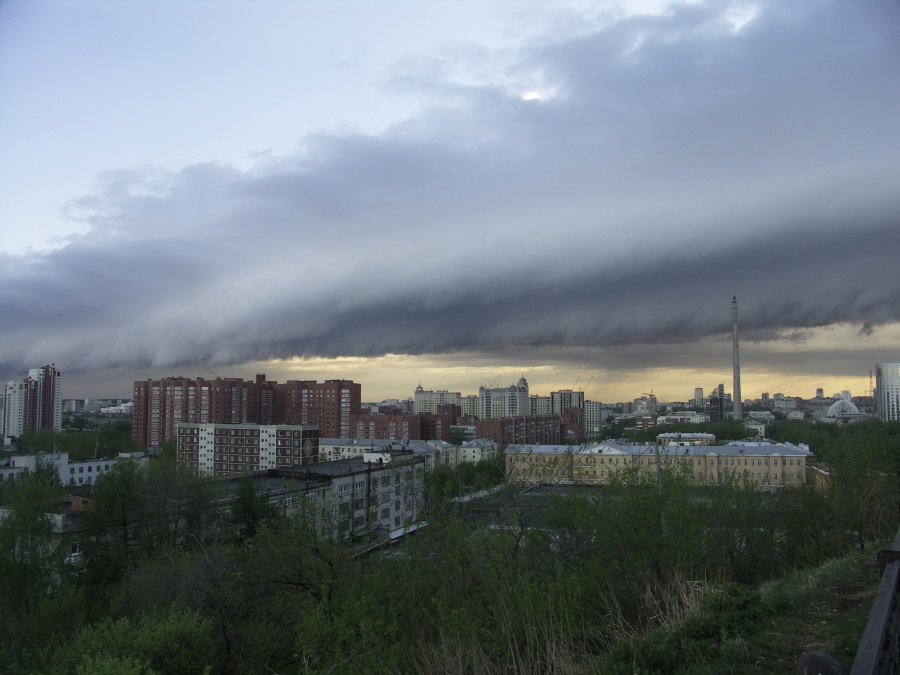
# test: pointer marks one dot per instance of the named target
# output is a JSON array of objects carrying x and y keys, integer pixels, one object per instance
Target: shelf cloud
[{"x": 609, "y": 188}]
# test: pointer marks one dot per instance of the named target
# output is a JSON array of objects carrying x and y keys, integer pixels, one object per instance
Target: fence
[{"x": 879, "y": 648}]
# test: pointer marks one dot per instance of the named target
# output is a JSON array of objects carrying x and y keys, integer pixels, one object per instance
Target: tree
[
  {"x": 116, "y": 521},
  {"x": 457, "y": 436},
  {"x": 32, "y": 550},
  {"x": 250, "y": 510}
]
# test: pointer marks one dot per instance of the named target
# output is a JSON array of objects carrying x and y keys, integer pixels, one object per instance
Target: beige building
[{"x": 769, "y": 465}]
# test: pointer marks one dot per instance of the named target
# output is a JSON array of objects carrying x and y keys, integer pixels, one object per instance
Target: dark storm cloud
[{"x": 672, "y": 163}]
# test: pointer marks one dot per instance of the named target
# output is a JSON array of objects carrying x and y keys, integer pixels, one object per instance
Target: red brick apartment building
[
  {"x": 555, "y": 429},
  {"x": 159, "y": 405},
  {"x": 390, "y": 424}
]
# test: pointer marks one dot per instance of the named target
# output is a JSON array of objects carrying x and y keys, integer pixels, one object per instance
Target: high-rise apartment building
[
  {"x": 427, "y": 401},
  {"x": 561, "y": 401},
  {"x": 504, "y": 401},
  {"x": 43, "y": 406},
  {"x": 32, "y": 403},
  {"x": 593, "y": 418},
  {"x": 887, "y": 391},
  {"x": 328, "y": 404},
  {"x": 159, "y": 405},
  {"x": 540, "y": 405}
]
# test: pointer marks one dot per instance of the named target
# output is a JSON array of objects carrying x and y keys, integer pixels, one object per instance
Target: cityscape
[{"x": 547, "y": 336}]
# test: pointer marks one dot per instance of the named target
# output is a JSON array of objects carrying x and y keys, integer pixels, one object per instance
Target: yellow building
[{"x": 769, "y": 465}]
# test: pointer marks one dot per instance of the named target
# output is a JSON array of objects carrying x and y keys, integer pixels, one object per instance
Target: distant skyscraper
[
  {"x": 820, "y": 393},
  {"x": 887, "y": 391},
  {"x": 698, "y": 397},
  {"x": 738, "y": 401},
  {"x": 716, "y": 404}
]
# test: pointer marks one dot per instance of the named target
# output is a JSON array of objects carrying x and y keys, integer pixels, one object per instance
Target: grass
[
  {"x": 823, "y": 609},
  {"x": 762, "y": 630}
]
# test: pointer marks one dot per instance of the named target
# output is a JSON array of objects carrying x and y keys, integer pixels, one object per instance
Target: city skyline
[{"x": 451, "y": 194}]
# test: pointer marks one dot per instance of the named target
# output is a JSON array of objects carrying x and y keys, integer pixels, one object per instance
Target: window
[{"x": 386, "y": 513}]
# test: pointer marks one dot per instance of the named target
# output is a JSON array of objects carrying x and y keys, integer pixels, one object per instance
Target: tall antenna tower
[{"x": 738, "y": 401}]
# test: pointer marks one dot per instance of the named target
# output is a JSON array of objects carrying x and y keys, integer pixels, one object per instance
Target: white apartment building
[
  {"x": 504, "y": 401},
  {"x": 218, "y": 449},
  {"x": 427, "y": 401},
  {"x": 593, "y": 418},
  {"x": 540, "y": 405},
  {"x": 477, "y": 450},
  {"x": 72, "y": 472},
  {"x": 13, "y": 412},
  {"x": 469, "y": 405}
]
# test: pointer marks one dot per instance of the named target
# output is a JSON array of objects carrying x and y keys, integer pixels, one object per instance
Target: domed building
[{"x": 843, "y": 410}]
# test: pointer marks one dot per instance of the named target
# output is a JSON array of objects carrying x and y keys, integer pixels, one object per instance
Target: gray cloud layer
[{"x": 672, "y": 163}]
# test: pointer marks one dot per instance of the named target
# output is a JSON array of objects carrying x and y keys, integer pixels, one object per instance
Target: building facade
[
  {"x": 160, "y": 405},
  {"x": 767, "y": 465},
  {"x": 427, "y": 401},
  {"x": 72, "y": 472},
  {"x": 32, "y": 403},
  {"x": 215, "y": 449},
  {"x": 545, "y": 429},
  {"x": 887, "y": 391},
  {"x": 563, "y": 400},
  {"x": 497, "y": 402}
]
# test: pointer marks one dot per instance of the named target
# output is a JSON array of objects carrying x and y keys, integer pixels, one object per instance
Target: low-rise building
[
  {"x": 72, "y": 472},
  {"x": 354, "y": 498},
  {"x": 477, "y": 450},
  {"x": 685, "y": 438},
  {"x": 769, "y": 465}
]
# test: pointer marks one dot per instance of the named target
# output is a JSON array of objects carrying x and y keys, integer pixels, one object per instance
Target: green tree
[
  {"x": 250, "y": 510},
  {"x": 32, "y": 549}
]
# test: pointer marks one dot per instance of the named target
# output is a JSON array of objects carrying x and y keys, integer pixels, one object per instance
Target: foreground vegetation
[{"x": 621, "y": 579}]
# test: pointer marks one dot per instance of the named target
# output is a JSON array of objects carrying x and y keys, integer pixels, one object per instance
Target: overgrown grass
[{"x": 738, "y": 629}]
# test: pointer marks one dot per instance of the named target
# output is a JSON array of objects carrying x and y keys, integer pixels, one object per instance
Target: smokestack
[{"x": 738, "y": 402}]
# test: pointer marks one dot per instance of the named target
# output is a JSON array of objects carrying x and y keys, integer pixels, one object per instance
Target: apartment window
[
  {"x": 397, "y": 521},
  {"x": 386, "y": 513}
]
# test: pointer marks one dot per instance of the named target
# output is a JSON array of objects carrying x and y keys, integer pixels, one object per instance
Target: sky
[{"x": 451, "y": 194}]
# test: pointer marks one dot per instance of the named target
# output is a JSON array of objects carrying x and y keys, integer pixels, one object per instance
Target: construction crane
[
  {"x": 491, "y": 385},
  {"x": 576, "y": 383},
  {"x": 584, "y": 389}
]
